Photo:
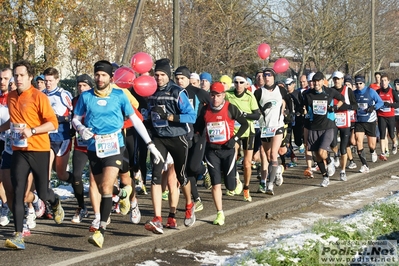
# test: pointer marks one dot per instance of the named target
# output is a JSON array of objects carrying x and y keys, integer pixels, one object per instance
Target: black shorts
[
  {"x": 247, "y": 143},
  {"x": 60, "y": 148},
  {"x": 97, "y": 164},
  {"x": 369, "y": 128},
  {"x": 320, "y": 139}
]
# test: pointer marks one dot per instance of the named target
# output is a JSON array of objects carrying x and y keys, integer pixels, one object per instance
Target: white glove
[
  {"x": 157, "y": 155},
  {"x": 85, "y": 133}
]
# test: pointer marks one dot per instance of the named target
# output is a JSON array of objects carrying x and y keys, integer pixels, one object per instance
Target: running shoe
[
  {"x": 336, "y": 162},
  {"x": 198, "y": 205},
  {"x": 58, "y": 212},
  {"x": 25, "y": 229},
  {"x": 247, "y": 196},
  {"x": 331, "y": 167},
  {"x": 80, "y": 213},
  {"x": 374, "y": 157},
  {"x": 124, "y": 202},
  {"x": 383, "y": 157},
  {"x": 239, "y": 186},
  {"x": 155, "y": 226},
  {"x": 302, "y": 148},
  {"x": 364, "y": 169},
  {"x": 342, "y": 176},
  {"x": 97, "y": 239},
  {"x": 207, "y": 180},
  {"x": 135, "y": 214},
  {"x": 308, "y": 173},
  {"x": 219, "y": 219},
  {"x": 262, "y": 188},
  {"x": 31, "y": 219},
  {"x": 269, "y": 189},
  {"x": 352, "y": 165},
  {"x": 165, "y": 195},
  {"x": 95, "y": 225},
  {"x": 279, "y": 176},
  {"x": 171, "y": 223},
  {"x": 5, "y": 216},
  {"x": 189, "y": 218},
  {"x": 40, "y": 208},
  {"x": 387, "y": 153},
  {"x": 325, "y": 182},
  {"x": 230, "y": 193},
  {"x": 48, "y": 214},
  {"x": 143, "y": 189},
  {"x": 394, "y": 149},
  {"x": 115, "y": 208},
  {"x": 17, "y": 242}
]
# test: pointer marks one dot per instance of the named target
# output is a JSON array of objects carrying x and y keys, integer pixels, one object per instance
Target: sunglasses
[
  {"x": 239, "y": 82},
  {"x": 267, "y": 74},
  {"x": 359, "y": 83}
]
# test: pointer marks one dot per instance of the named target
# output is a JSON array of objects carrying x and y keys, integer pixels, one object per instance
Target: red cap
[{"x": 217, "y": 87}]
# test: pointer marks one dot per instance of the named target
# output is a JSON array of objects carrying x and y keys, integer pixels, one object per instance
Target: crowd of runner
[{"x": 193, "y": 128}]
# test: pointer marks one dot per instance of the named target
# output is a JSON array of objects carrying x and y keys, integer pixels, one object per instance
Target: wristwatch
[{"x": 33, "y": 131}]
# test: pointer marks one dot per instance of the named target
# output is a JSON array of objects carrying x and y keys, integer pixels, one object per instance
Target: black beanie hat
[
  {"x": 183, "y": 70},
  {"x": 103, "y": 65},
  {"x": 86, "y": 79},
  {"x": 271, "y": 70},
  {"x": 164, "y": 66}
]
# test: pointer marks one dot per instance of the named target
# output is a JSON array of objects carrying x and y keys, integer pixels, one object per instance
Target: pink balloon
[
  {"x": 281, "y": 65},
  {"x": 141, "y": 62},
  {"x": 124, "y": 77},
  {"x": 263, "y": 51},
  {"x": 145, "y": 86}
]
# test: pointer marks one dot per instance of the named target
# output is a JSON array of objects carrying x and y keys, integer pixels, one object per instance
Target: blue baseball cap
[{"x": 39, "y": 77}]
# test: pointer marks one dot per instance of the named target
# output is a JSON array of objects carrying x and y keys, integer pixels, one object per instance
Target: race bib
[
  {"x": 396, "y": 111},
  {"x": 340, "y": 119},
  {"x": 16, "y": 135},
  {"x": 268, "y": 132},
  {"x": 107, "y": 145},
  {"x": 256, "y": 124},
  {"x": 362, "y": 109},
  {"x": 216, "y": 131},
  {"x": 319, "y": 107},
  {"x": 8, "y": 143},
  {"x": 81, "y": 142}
]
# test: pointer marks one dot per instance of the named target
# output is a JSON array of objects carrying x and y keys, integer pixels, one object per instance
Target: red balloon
[
  {"x": 124, "y": 77},
  {"x": 141, "y": 62},
  {"x": 263, "y": 51},
  {"x": 281, "y": 65},
  {"x": 145, "y": 86}
]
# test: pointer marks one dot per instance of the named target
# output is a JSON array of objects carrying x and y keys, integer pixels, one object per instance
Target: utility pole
[
  {"x": 372, "y": 40},
  {"x": 132, "y": 34},
  {"x": 176, "y": 34}
]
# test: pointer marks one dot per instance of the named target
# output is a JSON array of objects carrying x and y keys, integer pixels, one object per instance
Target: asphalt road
[{"x": 128, "y": 244}]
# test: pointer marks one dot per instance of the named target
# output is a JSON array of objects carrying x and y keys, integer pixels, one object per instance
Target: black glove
[
  {"x": 267, "y": 106},
  {"x": 287, "y": 119},
  {"x": 370, "y": 109},
  {"x": 332, "y": 108},
  {"x": 231, "y": 143},
  {"x": 160, "y": 111},
  {"x": 387, "y": 104}
]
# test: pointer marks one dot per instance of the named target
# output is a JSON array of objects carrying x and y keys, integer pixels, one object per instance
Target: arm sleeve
[
  {"x": 237, "y": 115},
  {"x": 188, "y": 114},
  {"x": 378, "y": 103},
  {"x": 352, "y": 99}
]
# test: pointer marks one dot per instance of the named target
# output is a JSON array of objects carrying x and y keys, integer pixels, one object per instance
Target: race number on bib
[
  {"x": 216, "y": 131},
  {"x": 268, "y": 132},
  {"x": 319, "y": 107},
  {"x": 107, "y": 145},
  {"x": 81, "y": 142},
  {"x": 16, "y": 135}
]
